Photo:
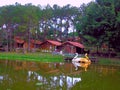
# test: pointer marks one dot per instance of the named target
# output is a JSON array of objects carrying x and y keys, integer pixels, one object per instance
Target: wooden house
[
  {"x": 18, "y": 42},
  {"x": 72, "y": 47},
  {"x": 32, "y": 46},
  {"x": 21, "y": 44},
  {"x": 49, "y": 46},
  {"x": 36, "y": 43}
]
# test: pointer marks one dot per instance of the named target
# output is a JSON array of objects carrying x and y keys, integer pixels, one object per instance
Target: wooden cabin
[
  {"x": 32, "y": 46},
  {"x": 18, "y": 42},
  {"x": 72, "y": 47},
  {"x": 36, "y": 43},
  {"x": 49, "y": 46},
  {"x": 23, "y": 45}
]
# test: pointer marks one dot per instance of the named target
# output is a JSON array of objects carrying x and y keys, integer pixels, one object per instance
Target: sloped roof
[
  {"x": 36, "y": 41},
  {"x": 76, "y": 44},
  {"x": 56, "y": 43},
  {"x": 18, "y": 40}
]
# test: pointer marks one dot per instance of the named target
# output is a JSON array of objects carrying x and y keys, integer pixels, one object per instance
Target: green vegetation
[
  {"x": 99, "y": 23},
  {"x": 42, "y": 57},
  {"x": 47, "y": 57},
  {"x": 96, "y": 23}
]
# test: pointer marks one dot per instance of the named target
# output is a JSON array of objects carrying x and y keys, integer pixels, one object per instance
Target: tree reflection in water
[
  {"x": 18, "y": 75},
  {"x": 55, "y": 81},
  {"x": 36, "y": 75}
]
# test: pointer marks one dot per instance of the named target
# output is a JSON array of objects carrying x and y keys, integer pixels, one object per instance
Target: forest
[{"x": 96, "y": 23}]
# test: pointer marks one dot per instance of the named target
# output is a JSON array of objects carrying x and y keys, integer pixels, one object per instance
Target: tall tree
[{"x": 99, "y": 20}]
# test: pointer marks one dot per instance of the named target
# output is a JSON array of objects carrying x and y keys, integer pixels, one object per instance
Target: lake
[{"x": 24, "y": 75}]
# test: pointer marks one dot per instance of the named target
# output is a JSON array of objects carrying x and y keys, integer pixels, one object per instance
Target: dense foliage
[{"x": 97, "y": 22}]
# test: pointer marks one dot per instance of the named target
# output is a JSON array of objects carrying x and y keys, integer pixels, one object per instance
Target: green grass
[
  {"x": 42, "y": 57},
  {"x": 47, "y": 57}
]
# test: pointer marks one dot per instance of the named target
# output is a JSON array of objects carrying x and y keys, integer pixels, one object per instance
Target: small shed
[
  {"x": 72, "y": 47},
  {"x": 49, "y": 46}
]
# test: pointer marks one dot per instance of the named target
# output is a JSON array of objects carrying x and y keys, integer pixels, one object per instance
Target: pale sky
[{"x": 45, "y": 2}]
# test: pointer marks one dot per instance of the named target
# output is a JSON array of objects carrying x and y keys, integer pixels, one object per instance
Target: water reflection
[
  {"x": 54, "y": 80},
  {"x": 45, "y": 75},
  {"x": 17, "y": 75},
  {"x": 83, "y": 65},
  {"x": 1, "y": 77}
]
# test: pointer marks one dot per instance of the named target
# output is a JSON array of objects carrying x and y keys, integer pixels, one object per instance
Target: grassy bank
[
  {"x": 47, "y": 57},
  {"x": 42, "y": 57}
]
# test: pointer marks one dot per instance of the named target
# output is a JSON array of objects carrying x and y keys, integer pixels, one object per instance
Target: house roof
[
  {"x": 36, "y": 41},
  {"x": 18, "y": 40},
  {"x": 56, "y": 43},
  {"x": 76, "y": 44}
]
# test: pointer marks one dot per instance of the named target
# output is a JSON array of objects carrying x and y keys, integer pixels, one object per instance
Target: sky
[{"x": 45, "y": 2}]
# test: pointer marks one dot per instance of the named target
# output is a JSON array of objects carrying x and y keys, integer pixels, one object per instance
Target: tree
[
  {"x": 99, "y": 20},
  {"x": 25, "y": 18}
]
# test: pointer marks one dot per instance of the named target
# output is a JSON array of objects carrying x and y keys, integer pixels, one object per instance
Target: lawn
[
  {"x": 47, "y": 57},
  {"x": 42, "y": 57}
]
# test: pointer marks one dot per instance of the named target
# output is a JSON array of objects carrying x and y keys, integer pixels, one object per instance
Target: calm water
[{"x": 17, "y": 75}]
